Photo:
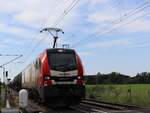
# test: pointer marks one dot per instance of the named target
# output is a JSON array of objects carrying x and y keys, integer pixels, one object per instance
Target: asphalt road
[{"x": 9, "y": 110}]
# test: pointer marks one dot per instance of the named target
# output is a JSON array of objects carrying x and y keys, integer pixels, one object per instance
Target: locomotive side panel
[
  {"x": 28, "y": 79},
  {"x": 37, "y": 65}
]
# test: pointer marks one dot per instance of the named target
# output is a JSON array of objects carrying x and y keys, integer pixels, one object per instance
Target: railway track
[
  {"x": 86, "y": 106},
  {"x": 102, "y": 105},
  {"x": 94, "y": 106},
  {"x": 109, "y": 105}
]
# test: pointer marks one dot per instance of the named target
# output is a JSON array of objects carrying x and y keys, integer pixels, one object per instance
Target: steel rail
[{"x": 111, "y": 105}]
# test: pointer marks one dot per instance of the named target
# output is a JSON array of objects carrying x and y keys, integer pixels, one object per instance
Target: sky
[{"x": 108, "y": 35}]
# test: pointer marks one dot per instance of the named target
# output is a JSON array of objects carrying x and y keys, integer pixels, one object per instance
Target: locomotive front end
[{"x": 64, "y": 85}]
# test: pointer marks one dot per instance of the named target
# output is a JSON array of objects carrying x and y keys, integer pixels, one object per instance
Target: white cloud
[
  {"x": 105, "y": 19},
  {"x": 99, "y": 17},
  {"x": 110, "y": 43},
  {"x": 3, "y": 46},
  {"x": 142, "y": 25},
  {"x": 124, "y": 43},
  {"x": 14, "y": 30},
  {"x": 85, "y": 53},
  {"x": 9, "y": 6},
  {"x": 34, "y": 13},
  {"x": 94, "y": 2},
  {"x": 39, "y": 12}
]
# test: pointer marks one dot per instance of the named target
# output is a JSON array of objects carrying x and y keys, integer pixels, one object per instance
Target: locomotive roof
[{"x": 56, "y": 50}]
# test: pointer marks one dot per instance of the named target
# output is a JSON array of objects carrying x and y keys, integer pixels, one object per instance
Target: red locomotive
[{"x": 55, "y": 78}]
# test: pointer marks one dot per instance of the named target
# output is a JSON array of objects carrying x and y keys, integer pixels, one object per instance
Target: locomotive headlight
[
  {"x": 79, "y": 77},
  {"x": 47, "y": 77}
]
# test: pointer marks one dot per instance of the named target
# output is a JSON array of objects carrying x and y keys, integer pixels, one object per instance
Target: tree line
[{"x": 118, "y": 78}]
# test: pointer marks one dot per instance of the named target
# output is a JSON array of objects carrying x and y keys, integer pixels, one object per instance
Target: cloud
[
  {"x": 34, "y": 13},
  {"x": 110, "y": 43},
  {"x": 123, "y": 43},
  {"x": 39, "y": 12},
  {"x": 105, "y": 19},
  {"x": 27, "y": 17},
  {"x": 9, "y": 6},
  {"x": 99, "y": 17},
  {"x": 142, "y": 25},
  {"x": 15, "y": 30},
  {"x": 84, "y": 53},
  {"x": 94, "y": 2},
  {"x": 3, "y": 46}
]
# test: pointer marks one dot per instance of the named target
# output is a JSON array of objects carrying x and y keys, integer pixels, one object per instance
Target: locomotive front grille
[{"x": 63, "y": 79}]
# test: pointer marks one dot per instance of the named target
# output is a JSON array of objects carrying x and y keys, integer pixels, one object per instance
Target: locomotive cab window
[{"x": 62, "y": 61}]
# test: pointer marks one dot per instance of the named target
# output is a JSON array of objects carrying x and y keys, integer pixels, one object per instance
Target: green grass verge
[{"x": 136, "y": 94}]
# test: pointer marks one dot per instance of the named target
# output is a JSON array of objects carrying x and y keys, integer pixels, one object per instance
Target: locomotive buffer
[{"x": 55, "y": 36}]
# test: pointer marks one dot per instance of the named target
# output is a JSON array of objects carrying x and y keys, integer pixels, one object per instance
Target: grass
[{"x": 135, "y": 94}]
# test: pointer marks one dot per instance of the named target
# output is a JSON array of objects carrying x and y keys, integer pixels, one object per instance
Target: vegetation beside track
[
  {"x": 1, "y": 100},
  {"x": 14, "y": 100},
  {"x": 131, "y": 94}
]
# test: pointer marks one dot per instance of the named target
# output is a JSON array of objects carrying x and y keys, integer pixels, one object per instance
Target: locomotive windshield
[{"x": 62, "y": 61}]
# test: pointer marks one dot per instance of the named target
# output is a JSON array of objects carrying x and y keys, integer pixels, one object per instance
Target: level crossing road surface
[{"x": 9, "y": 110}]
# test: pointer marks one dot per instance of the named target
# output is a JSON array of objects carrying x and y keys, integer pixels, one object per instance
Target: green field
[{"x": 136, "y": 94}]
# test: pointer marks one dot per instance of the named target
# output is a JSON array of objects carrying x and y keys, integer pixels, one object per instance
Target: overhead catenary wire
[
  {"x": 114, "y": 4},
  {"x": 127, "y": 23},
  {"x": 43, "y": 24},
  {"x": 9, "y": 55},
  {"x": 11, "y": 60},
  {"x": 115, "y": 28},
  {"x": 119, "y": 20},
  {"x": 74, "y": 3},
  {"x": 61, "y": 17},
  {"x": 35, "y": 37},
  {"x": 132, "y": 12},
  {"x": 67, "y": 10},
  {"x": 65, "y": 13},
  {"x": 33, "y": 49}
]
